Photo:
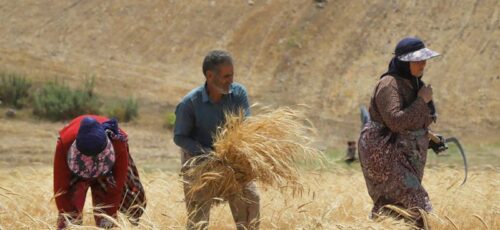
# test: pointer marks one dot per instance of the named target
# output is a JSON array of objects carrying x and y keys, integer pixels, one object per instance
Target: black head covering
[
  {"x": 401, "y": 69},
  {"x": 408, "y": 45},
  {"x": 91, "y": 138}
]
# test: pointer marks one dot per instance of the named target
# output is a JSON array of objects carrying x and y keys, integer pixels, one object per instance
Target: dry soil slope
[{"x": 287, "y": 52}]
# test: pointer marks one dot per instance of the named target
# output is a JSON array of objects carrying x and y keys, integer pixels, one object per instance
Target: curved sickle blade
[{"x": 464, "y": 157}]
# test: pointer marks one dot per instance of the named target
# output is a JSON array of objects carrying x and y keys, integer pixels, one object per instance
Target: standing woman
[{"x": 393, "y": 145}]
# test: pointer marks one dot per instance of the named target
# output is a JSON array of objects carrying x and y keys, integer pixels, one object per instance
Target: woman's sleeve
[
  {"x": 121, "y": 165},
  {"x": 62, "y": 176},
  {"x": 120, "y": 172},
  {"x": 390, "y": 105}
]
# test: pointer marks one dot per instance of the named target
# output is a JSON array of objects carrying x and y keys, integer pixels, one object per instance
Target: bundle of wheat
[{"x": 265, "y": 147}]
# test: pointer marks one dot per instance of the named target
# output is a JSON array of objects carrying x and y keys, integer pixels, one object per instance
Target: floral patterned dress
[{"x": 393, "y": 145}]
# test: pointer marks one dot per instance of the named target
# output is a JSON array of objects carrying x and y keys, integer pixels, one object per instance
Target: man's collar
[{"x": 204, "y": 93}]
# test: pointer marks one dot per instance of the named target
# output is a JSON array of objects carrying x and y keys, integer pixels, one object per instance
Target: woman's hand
[{"x": 426, "y": 93}]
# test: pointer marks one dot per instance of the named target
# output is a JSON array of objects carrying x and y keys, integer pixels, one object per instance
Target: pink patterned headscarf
[{"x": 88, "y": 167}]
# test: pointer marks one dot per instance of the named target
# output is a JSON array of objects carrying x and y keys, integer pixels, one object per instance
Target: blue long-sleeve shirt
[{"x": 198, "y": 117}]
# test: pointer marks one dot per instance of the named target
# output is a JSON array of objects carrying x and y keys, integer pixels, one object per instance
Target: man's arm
[{"x": 184, "y": 123}]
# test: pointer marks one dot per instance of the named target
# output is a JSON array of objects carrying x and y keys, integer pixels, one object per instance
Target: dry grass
[
  {"x": 335, "y": 199},
  {"x": 266, "y": 147}
]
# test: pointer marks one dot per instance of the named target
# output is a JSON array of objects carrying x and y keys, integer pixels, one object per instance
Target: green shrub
[
  {"x": 57, "y": 101},
  {"x": 169, "y": 120},
  {"x": 124, "y": 110},
  {"x": 14, "y": 89}
]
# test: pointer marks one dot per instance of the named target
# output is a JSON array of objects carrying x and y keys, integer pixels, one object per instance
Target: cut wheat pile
[{"x": 266, "y": 147}]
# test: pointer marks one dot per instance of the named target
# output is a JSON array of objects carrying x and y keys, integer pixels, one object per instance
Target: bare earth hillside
[{"x": 287, "y": 52}]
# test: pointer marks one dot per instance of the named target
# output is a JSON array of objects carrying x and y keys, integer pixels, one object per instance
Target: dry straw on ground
[
  {"x": 338, "y": 200},
  {"x": 266, "y": 147}
]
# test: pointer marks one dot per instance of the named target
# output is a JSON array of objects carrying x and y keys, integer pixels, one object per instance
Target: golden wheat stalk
[
  {"x": 265, "y": 147},
  {"x": 482, "y": 221},
  {"x": 452, "y": 223},
  {"x": 410, "y": 215}
]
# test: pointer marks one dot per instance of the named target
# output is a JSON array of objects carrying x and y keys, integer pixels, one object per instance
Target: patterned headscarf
[
  {"x": 92, "y": 154},
  {"x": 87, "y": 167}
]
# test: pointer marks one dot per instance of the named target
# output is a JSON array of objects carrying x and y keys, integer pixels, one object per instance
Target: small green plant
[
  {"x": 57, "y": 101},
  {"x": 293, "y": 42},
  {"x": 124, "y": 110},
  {"x": 14, "y": 89},
  {"x": 169, "y": 120}
]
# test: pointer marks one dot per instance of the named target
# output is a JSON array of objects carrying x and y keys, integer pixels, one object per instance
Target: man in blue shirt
[{"x": 198, "y": 116}]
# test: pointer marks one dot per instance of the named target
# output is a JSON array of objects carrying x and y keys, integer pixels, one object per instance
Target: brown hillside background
[{"x": 286, "y": 53}]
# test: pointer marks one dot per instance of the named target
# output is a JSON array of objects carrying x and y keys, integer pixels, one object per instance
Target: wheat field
[
  {"x": 287, "y": 52},
  {"x": 336, "y": 198}
]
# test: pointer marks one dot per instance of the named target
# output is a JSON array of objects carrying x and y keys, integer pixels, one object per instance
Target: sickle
[{"x": 462, "y": 152}]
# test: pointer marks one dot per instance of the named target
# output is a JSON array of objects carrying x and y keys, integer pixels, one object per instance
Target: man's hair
[{"x": 215, "y": 58}]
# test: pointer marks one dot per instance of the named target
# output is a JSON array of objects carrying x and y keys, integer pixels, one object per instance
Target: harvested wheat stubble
[{"x": 266, "y": 148}]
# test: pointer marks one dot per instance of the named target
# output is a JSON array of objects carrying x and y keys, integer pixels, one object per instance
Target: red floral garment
[{"x": 64, "y": 183}]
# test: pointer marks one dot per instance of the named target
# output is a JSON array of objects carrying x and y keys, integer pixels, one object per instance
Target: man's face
[
  {"x": 417, "y": 68},
  {"x": 221, "y": 79}
]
